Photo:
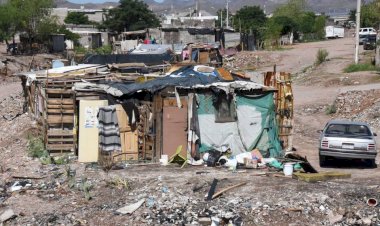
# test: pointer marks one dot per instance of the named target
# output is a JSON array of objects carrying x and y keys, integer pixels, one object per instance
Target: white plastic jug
[{"x": 288, "y": 169}]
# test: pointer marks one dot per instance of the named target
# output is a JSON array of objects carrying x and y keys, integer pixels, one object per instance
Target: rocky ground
[{"x": 78, "y": 194}]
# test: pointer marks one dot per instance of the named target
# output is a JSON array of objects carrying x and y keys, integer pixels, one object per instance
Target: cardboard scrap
[
  {"x": 323, "y": 176},
  {"x": 130, "y": 208}
]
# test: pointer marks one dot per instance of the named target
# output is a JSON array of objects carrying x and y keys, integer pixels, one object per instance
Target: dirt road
[{"x": 319, "y": 88}]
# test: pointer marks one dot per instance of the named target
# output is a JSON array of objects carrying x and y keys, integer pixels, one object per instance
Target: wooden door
[{"x": 174, "y": 127}]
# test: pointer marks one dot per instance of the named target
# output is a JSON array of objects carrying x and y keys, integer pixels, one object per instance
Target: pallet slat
[
  {"x": 54, "y": 119},
  {"x": 61, "y": 111},
  {"x": 58, "y": 147},
  {"x": 60, "y": 101},
  {"x": 59, "y": 91},
  {"x": 60, "y": 133}
]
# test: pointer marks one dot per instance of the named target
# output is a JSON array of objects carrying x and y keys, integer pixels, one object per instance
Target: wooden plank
[
  {"x": 55, "y": 106},
  {"x": 61, "y": 101},
  {"x": 57, "y": 147},
  {"x": 60, "y": 119},
  {"x": 60, "y": 139},
  {"x": 63, "y": 111},
  {"x": 88, "y": 98},
  {"x": 59, "y": 91}
]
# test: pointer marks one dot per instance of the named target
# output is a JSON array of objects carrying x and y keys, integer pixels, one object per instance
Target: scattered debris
[
  {"x": 314, "y": 177},
  {"x": 6, "y": 215},
  {"x": 227, "y": 189},
  {"x": 212, "y": 190},
  {"x": 130, "y": 208}
]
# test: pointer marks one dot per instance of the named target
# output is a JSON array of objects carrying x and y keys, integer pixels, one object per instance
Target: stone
[
  {"x": 366, "y": 221},
  {"x": 322, "y": 208},
  {"x": 6, "y": 215},
  {"x": 335, "y": 218}
]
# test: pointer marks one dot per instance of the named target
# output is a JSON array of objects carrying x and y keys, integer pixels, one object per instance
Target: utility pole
[
  {"x": 221, "y": 18},
  {"x": 227, "y": 14},
  {"x": 358, "y": 7}
]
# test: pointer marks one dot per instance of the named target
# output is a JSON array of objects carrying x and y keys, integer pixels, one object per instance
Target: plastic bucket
[
  {"x": 164, "y": 160},
  {"x": 288, "y": 169}
]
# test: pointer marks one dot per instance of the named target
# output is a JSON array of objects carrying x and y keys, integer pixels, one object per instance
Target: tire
[
  {"x": 371, "y": 163},
  {"x": 322, "y": 160}
]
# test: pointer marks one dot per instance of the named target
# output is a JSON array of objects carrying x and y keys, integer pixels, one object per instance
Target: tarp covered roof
[{"x": 187, "y": 77}]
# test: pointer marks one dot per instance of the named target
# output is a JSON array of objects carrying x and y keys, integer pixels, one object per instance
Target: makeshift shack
[
  {"x": 198, "y": 108},
  {"x": 51, "y": 101}
]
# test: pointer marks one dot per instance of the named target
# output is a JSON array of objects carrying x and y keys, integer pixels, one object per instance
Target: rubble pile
[
  {"x": 252, "y": 60},
  {"x": 60, "y": 192},
  {"x": 13, "y": 64},
  {"x": 360, "y": 106}
]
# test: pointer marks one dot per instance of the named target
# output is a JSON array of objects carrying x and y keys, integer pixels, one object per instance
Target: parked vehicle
[
  {"x": 367, "y": 31},
  {"x": 348, "y": 140},
  {"x": 334, "y": 32},
  {"x": 369, "y": 43}
]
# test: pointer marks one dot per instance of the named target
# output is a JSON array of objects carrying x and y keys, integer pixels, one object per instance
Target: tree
[
  {"x": 370, "y": 14},
  {"x": 319, "y": 27},
  {"x": 9, "y": 22},
  {"x": 130, "y": 15},
  {"x": 292, "y": 12},
  {"x": 49, "y": 26},
  {"x": 306, "y": 24},
  {"x": 250, "y": 19},
  {"x": 77, "y": 18},
  {"x": 29, "y": 14}
]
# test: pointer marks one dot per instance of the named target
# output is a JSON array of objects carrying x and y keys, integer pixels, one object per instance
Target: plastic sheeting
[{"x": 255, "y": 126}]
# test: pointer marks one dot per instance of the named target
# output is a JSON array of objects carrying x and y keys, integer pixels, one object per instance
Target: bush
[
  {"x": 36, "y": 147},
  {"x": 106, "y": 49},
  {"x": 321, "y": 56},
  {"x": 361, "y": 67},
  {"x": 331, "y": 109}
]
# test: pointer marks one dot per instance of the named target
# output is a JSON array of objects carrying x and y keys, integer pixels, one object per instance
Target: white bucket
[
  {"x": 288, "y": 169},
  {"x": 164, "y": 160}
]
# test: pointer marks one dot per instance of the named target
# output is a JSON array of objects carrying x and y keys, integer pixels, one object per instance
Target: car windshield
[{"x": 347, "y": 130}]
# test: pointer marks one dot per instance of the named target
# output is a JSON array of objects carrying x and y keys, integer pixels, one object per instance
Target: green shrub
[
  {"x": 361, "y": 67},
  {"x": 36, "y": 147},
  {"x": 321, "y": 56},
  {"x": 331, "y": 109},
  {"x": 106, "y": 49}
]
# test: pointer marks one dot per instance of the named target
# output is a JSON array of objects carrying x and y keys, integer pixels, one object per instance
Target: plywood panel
[
  {"x": 174, "y": 128},
  {"x": 88, "y": 130},
  {"x": 128, "y": 138}
]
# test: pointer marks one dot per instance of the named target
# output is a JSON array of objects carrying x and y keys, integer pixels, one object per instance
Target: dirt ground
[{"x": 80, "y": 194}]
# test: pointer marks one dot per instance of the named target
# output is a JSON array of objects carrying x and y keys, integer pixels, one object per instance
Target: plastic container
[
  {"x": 288, "y": 169},
  {"x": 164, "y": 160}
]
